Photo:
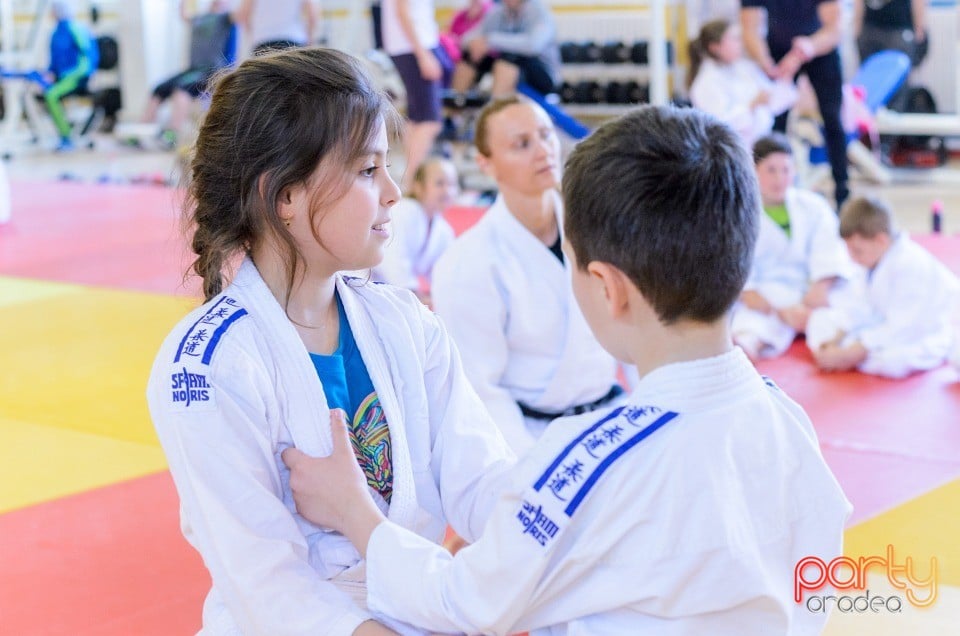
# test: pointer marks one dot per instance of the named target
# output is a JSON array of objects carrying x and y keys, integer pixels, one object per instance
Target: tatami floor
[{"x": 91, "y": 280}]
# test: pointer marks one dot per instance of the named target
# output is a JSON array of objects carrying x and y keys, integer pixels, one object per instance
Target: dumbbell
[
  {"x": 590, "y": 52},
  {"x": 616, "y": 93},
  {"x": 639, "y": 53},
  {"x": 567, "y": 93},
  {"x": 636, "y": 93},
  {"x": 615, "y": 53},
  {"x": 588, "y": 93},
  {"x": 570, "y": 53}
]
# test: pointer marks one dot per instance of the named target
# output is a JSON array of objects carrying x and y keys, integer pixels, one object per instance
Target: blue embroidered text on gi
[
  {"x": 594, "y": 450},
  {"x": 201, "y": 339},
  {"x": 189, "y": 387},
  {"x": 536, "y": 523}
]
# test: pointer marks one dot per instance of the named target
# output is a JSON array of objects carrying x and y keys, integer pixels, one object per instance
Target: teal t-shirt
[{"x": 347, "y": 385}]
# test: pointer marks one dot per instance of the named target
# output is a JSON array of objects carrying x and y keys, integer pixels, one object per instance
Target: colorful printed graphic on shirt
[{"x": 371, "y": 444}]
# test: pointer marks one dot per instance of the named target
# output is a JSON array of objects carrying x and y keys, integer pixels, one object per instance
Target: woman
[{"x": 503, "y": 287}]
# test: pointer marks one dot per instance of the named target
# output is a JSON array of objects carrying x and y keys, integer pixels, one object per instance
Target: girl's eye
[{"x": 369, "y": 172}]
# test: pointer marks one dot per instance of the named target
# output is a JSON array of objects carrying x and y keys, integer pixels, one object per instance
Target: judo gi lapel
[
  {"x": 308, "y": 415},
  {"x": 528, "y": 248},
  {"x": 383, "y": 338},
  {"x": 578, "y": 342}
]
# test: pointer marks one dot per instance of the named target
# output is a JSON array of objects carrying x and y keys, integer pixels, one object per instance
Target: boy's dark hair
[
  {"x": 867, "y": 216},
  {"x": 272, "y": 120},
  {"x": 669, "y": 197},
  {"x": 771, "y": 144}
]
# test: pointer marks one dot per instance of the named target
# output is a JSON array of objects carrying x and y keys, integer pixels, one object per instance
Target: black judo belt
[{"x": 573, "y": 410}]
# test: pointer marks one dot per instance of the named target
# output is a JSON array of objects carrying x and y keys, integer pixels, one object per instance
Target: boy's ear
[{"x": 614, "y": 286}]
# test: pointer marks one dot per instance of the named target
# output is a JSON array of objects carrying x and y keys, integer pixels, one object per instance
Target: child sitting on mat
[
  {"x": 896, "y": 319},
  {"x": 799, "y": 258},
  {"x": 420, "y": 234}
]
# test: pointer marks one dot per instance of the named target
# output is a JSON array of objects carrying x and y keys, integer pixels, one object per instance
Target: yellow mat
[
  {"x": 922, "y": 528},
  {"x": 73, "y": 413},
  {"x": 78, "y": 358}
]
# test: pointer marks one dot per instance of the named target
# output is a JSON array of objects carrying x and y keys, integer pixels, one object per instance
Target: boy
[
  {"x": 897, "y": 319},
  {"x": 798, "y": 261},
  {"x": 685, "y": 511}
]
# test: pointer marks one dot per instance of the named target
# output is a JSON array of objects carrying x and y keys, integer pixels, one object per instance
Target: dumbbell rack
[{"x": 604, "y": 80}]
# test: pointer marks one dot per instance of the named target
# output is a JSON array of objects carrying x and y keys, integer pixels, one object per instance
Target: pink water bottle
[{"x": 936, "y": 216}]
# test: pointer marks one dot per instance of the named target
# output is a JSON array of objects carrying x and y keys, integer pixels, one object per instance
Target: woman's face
[
  {"x": 353, "y": 229},
  {"x": 524, "y": 149}
]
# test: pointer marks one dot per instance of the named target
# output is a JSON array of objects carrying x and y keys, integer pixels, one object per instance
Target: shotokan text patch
[
  {"x": 569, "y": 478},
  {"x": 190, "y": 387}
]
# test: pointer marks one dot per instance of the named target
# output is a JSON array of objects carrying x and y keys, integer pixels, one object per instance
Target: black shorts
[
  {"x": 423, "y": 97},
  {"x": 192, "y": 81},
  {"x": 533, "y": 71}
]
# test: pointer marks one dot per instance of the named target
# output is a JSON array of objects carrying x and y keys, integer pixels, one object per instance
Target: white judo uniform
[
  {"x": 233, "y": 385},
  {"x": 726, "y": 90},
  {"x": 508, "y": 303},
  {"x": 684, "y": 512},
  {"x": 414, "y": 247},
  {"x": 785, "y": 266},
  {"x": 902, "y": 312}
]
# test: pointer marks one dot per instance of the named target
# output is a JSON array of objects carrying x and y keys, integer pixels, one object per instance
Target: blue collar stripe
[
  {"x": 215, "y": 338},
  {"x": 612, "y": 457},
  {"x": 566, "y": 451},
  {"x": 194, "y": 326}
]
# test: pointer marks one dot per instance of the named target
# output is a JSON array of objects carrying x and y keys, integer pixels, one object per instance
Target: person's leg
[
  {"x": 534, "y": 72},
  {"x": 160, "y": 94},
  {"x": 505, "y": 77},
  {"x": 827, "y": 81},
  {"x": 423, "y": 115},
  {"x": 52, "y": 97},
  {"x": 464, "y": 77}
]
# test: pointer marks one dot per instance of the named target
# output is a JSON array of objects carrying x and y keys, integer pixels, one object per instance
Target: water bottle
[{"x": 936, "y": 216}]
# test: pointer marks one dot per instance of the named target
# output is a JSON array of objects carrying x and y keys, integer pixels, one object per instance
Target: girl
[
  {"x": 420, "y": 233},
  {"x": 731, "y": 87},
  {"x": 503, "y": 288},
  {"x": 290, "y": 185}
]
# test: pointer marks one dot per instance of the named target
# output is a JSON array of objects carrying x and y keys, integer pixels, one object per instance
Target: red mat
[
  {"x": 108, "y": 235},
  {"x": 887, "y": 441},
  {"x": 110, "y": 562}
]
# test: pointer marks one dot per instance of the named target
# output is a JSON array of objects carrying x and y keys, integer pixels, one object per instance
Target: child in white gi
[
  {"x": 420, "y": 234},
  {"x": 898, "y": 317},
  {"x": 289, "y": 186},
  {"x": 732, "y": 87},
  {"x": 685, "y": 511},
  {"x": 799, "y": 258},
  {"x": 503, "y": 287}
]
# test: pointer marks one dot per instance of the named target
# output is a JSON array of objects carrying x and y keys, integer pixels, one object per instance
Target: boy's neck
[{"x": 685, "y": 341}]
